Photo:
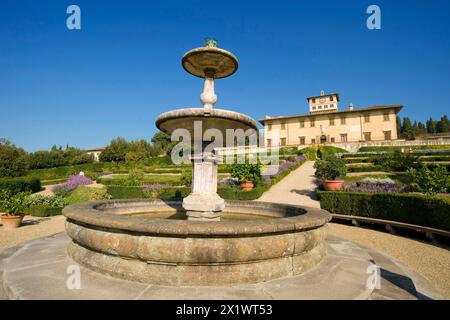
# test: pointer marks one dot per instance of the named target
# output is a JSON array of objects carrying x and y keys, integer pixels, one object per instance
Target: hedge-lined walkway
[{"x": 297, "y": 188}]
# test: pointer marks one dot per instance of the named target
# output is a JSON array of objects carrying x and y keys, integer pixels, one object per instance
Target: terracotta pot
[
  {"x": 11, "y": 222},
  {"x": 333, "y": 185},
  {"x": 246, "y": 185}
]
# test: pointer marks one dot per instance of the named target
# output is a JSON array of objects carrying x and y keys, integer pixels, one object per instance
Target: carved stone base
[{"x": 203, "y": 207}]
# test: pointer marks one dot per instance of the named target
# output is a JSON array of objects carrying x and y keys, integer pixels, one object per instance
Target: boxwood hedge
[
  {"x": 20, "y": 184},
  {"x": 402, "y": 207}
]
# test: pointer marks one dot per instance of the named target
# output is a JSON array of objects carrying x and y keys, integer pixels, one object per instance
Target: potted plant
[
  {"x": 330, "y": 171},
  {"x": 247, "y": 174},
  {"x": 13, "y": 207}
]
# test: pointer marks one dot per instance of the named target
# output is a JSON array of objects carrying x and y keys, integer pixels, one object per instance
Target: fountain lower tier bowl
[
  {"x": 209, "y": 119},
  {"x": 148, "y": 241}
]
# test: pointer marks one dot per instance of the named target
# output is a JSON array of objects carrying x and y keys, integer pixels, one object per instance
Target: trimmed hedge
[
  {"x": 402, "y": 207},
  {"x": 43, "y": 211},
  {"x": 398, "y": 148},
  {"x": 365, "y": 168},
  {"x": 21, "y": 184},
  {"x": 120, "y": 192}
]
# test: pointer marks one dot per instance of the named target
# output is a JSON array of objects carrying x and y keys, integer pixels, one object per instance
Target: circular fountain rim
[
  {"x": 89, "y": 213},
  {"x": 200, "y": 112}
]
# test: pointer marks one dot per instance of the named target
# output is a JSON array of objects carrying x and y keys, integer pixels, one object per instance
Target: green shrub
[
  {"x": 173, "y": 193},
  {"x": 246, "y": 171},
  {"x": 48, "y": 201},
  {"x": 331, "y": 168},
  {"x": 365, "y": 168},
  {"x": 13, "y": 204},
  {"x": 309, "y": 152},
  {"x": 85, "y": 193},
  {"x": 409, "y": 208},
  {"x": 123, "y": 192},
  {"x": 235, "y": 193},
  {"x": 12, "y": 160},
  {"x": 398, "y": 148},
  {"x": 429, "y": 181},
  {"x": 325, "y": 152},
  {"x": 394, "y": 161},
  {"x": 20, "y": 184},
  {"x": 43, "y": 211},
  {"x": 186, "y": 178}
]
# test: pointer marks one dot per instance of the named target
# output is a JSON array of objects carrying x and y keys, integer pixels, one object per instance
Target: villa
[{"x": 325, "y": 123}]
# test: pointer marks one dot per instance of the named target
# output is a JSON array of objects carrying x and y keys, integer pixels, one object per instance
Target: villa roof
[
  {"x": 354, "y": 110},
  {"x": 324, "y": 95}
]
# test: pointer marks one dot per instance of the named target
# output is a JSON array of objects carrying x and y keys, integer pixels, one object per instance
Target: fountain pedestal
[{"x": 204, "y": 204}]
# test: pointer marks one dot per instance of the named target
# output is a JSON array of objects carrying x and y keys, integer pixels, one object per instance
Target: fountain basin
[
  {"x": 114, "y": 237},
  {"x": 219, "y": 119}
]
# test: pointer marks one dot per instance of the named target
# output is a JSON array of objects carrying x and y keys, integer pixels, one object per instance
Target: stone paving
[{"x": 342, "y": 275}]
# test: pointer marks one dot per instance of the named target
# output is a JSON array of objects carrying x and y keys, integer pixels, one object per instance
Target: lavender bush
[
  {"x": 283, "y": 167},
  {"x": 71, "y": 184}
]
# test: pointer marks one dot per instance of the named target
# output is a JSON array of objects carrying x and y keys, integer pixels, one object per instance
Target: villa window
[
  {"x": 269, "y": 143},
  {"x": 320, "y": 107},
  {"x": 331, "y": 98},
  {"x": 343, "y": 120},
  {"x": 367, "y": 136},
  {"x": 387, "y": 135},
  {"x": 325, "y": 106},
  {"x": 313, "y": 100},
  {"x": 283, "y": 142},
  {"x": 343, "y": 137},
  {"x": 302, "y": 124},
  {"x": 283, "y": 126},
  {"x": 269, "y": 127},
  {"x": 332, "y": 140},
  {"x": 312, "y": 122},
  {"x": 302, "y": 140},
  {"x": 331, "y": 121},
  {"x": 314, "y": 108},
  {"x": 367, "y": 118},
  {"x": 332, "y": 105},
  {"x": 313, "y": 141},
  {"x": 386, "y": 116}
]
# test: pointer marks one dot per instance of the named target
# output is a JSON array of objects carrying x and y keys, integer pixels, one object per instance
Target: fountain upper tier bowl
[
  {"x": 214, "y": 118},
  {"x": 109, "y": 237},
  {"x": 221, "y": 63}
]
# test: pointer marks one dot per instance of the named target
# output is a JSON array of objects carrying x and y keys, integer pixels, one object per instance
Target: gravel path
[
  {"x": 430, "y": 261},
  {"x": 32, "y": 228},
  {"x": 296, "y": 188}
]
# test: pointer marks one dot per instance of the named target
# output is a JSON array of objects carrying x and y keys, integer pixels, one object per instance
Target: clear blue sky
[{"x": 115, "y": 75}]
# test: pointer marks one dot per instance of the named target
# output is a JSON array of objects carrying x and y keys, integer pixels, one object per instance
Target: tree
[
  {"x": 399, "y": 126},
  {"x": 12, "y": 160},
  {"x": 431, "y": 126},
  {"x": 443, "y": 125},
  {"x": 163, "y": 142}
]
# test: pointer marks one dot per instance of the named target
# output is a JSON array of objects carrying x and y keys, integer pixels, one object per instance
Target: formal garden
[{"x": 127, "y": 170}]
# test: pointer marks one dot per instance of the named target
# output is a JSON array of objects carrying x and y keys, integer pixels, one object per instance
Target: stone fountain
[{"x": 153, "y": 242}]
